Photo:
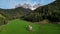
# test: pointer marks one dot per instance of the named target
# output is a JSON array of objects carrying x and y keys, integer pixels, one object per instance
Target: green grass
[
  {"x": 19, "y": 27},
  {"x": 2, "y": 16}
]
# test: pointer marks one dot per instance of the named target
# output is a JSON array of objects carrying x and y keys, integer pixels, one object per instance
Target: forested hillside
[
  {"x": 11, "y": 14},
  {"x": 50, "y": 12}
]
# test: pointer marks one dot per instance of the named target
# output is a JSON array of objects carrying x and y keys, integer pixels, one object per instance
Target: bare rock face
[{"x": 28, "y": 6}]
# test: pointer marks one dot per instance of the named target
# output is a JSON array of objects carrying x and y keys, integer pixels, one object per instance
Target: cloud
[{"x": 12, "y": 3}]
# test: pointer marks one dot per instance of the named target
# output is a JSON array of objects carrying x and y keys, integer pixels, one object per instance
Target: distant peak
[{"x": 28, "y": 6}]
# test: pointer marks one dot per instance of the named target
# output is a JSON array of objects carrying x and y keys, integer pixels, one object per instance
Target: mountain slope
[
  {"x": 50, "y": 12},
  {"x": 28, "y": 6},
  {"x": 11, "y": 14},
  {"x": 14, "y": 13}
]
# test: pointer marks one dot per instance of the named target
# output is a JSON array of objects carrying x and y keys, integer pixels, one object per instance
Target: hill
[
  {"x": 14, "y": 13},
  {"x": 50, "y": 12},
  {"x": 11, "y": 14}
]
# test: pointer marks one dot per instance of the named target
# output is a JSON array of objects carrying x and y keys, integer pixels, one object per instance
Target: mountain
[
  {"x": 11, "y": 14},
  {"x": 14, "y": 13},
  {"x": 36, "y": 6},
  {"x": 28, "y": 6},
  {"x": 50, "y": 12}
]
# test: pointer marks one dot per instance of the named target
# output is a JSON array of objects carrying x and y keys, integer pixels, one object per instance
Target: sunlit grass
[{"x": 19, "y": 27}]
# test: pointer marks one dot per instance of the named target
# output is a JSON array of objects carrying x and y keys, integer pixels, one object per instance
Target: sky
[{"x": 8, "y": 4}]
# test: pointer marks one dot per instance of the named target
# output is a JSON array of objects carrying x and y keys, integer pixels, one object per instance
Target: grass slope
[
  {"x": 2, "y": 16},
  {"x": 19, "y": 27}
]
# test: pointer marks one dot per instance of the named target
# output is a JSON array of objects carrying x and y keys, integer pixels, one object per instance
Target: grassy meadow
[{"x": 19, "y": 27}]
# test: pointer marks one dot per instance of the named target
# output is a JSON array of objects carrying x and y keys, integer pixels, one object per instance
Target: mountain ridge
[
  {"x": 50, "y": 12},
  {"x": 28, "y": 6}
]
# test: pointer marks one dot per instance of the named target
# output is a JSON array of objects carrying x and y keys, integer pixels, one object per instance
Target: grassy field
[{"x": 19, "y": 27}]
